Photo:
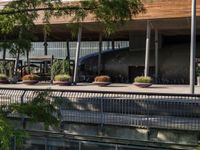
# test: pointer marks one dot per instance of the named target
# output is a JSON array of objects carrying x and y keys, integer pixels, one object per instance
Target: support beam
[
  {"x": 68, "y": 57},
  {"x": 113, "y": 44},
  {"x": 28, "y": 61},
  {"x": 99, "y": 55},
  {"x": 45, "y": 50},
  {"x": 45, "y": 43},
  {"x": 108, "y": 45},
  {"x": 68, "y": 50},
  {"x": 193, "y": 48},
  {"x": 4, "y": 49},
  {"x": 52, "y": 73},
  {"x": 78, "y": 46},
  {"x": 4, "y": 53},
  {"x": 147, "y": 52},
  {"x": 156, "y": 55}
]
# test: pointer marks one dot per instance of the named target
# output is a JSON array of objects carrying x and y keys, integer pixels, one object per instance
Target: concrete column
[
  {"x": 99, "y": 56},
  {"x": 147, "y": 52},
  {"x": 156, "y": 55},
  {"x": 193, "y": 48},
  {"x": 78, "y": 46}
]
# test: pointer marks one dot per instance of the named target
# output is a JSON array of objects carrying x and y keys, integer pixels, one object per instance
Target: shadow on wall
[{"x": 120, "y": 64}]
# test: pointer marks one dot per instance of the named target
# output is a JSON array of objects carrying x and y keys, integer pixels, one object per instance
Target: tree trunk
[
  {"x": 4, "y": 49},
  {"x": 4, "y": 53},
  {"x": 16, "y": 63}
]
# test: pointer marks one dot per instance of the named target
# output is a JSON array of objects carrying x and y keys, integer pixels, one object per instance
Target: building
[{"x": 170, "y": 23}]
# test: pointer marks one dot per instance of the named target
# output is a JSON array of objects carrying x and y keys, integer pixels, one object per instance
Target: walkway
[{"x": 182, "y": 89}]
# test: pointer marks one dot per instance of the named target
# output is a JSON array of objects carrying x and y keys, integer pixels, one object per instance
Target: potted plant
[
  {"x": 3, "y": 79},
  {"x": 142, "y": 81},
  {"x": 30, "y": 79},
  {"x": 102, "y": 80},
  {"x": 62, "y": 79}
]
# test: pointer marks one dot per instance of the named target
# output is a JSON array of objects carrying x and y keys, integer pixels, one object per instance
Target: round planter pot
[
  {"x": 30, "y": 82},
  {"x": 142, "y": 85},
  {"x": 62, "y": 83},
  {"x": 101, "y": 83},
  {"x": 4, "y": 81}
]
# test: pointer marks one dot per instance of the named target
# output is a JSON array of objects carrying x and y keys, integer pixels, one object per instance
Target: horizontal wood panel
[{"x": 155, "y": 9}]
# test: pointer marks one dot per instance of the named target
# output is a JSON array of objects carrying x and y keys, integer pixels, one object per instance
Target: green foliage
[
  {"x": 111, "y": 13},
  {"x": 3, "y": 77},
  {"x": 7, "y": 132},
  {"x": 198, "y": 70},
  {"x": 60, "y": 67},
  {"x": 43, "y": 108},
  {"x": 62, "y": 77},
  {"x": 7, "y": 68},
  {"x": 143, "y": 79},
  {"x": 198, "y": 148},
  {"x": 19, "y": 16}
]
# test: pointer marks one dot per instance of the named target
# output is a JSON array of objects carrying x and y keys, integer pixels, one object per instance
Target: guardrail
[{"x": 144, "y": 110}]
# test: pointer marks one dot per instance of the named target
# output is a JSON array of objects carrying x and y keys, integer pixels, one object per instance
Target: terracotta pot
[
  {"x": 101, "y": 83},
  {"x": 62, "y": 83},
  {"x": 4, "y": 81},
  {"x": 30, "y": 82},
  {"x": 142, "y": 85}
]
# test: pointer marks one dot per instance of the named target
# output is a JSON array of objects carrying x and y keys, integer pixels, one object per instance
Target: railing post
[
  {"x": 79, "y": 145},
  {"x": 102, "y": 117},
  {"x": 46, "y": 144},
  {"x": 23, "y": 119}
]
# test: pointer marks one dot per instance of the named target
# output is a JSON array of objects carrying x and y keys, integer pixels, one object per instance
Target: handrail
[{"x": 103, "y": 92}]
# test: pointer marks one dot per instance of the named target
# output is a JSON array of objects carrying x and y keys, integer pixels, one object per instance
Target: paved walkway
[{"x": 184, "y": 89}]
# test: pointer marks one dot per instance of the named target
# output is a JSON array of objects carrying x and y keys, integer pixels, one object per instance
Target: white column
[
  {"x": 147, "y": 52},
  {"x": 78, "y": 46},
  {"x": 156, "y": 55},
  {"x": 100, "y": 52},
  {"x": 193, "y": 48}
]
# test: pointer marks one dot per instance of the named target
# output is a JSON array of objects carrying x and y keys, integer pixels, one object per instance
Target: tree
[
  {"x": 17, "y": 18},
  {"x": 42, "y": 108}
]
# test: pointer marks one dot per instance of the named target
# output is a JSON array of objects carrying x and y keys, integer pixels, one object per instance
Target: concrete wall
[{"x": 173, "y": 62}]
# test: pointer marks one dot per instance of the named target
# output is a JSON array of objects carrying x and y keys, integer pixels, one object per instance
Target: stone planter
[
  {"x": 142, "y": 85},
  {"x": 62, "y": 83},
  {"x": 198, "y": 80},
  {"x": 30, "y": 82},
  {"x": 4, "y": 81},
  {"x": 101, "y": 83}
]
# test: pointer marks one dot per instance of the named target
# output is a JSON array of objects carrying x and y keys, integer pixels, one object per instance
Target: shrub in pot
[
  {"x": 30, "y": 79},
  {"x": 142, "y": 81},
  {"x": 102, "y": 80},
  {"x": 62, "y": 79},
  {"x": 3, "y": 79}
]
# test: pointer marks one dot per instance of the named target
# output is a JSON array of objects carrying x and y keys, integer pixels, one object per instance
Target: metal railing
[
  {"x": 59, "y": 49},
  {"x": 144, "y": 110}
]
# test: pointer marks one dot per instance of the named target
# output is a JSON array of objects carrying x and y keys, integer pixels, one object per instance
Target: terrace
[{"x": 116, "y": 87}]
